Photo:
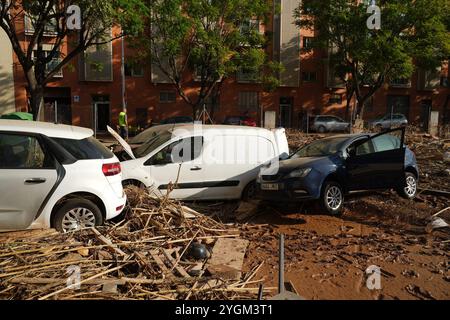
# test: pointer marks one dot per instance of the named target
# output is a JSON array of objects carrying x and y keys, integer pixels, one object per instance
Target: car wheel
[
  {"x": 409, "y": 190},
  {"x": 76, "y": 214},
  {"x": 322, "y": 129},
  {"x": 249, "y": 192},
  {"x": 332, "y": 199}
]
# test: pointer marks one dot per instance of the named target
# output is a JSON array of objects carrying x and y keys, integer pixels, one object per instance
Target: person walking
[{"x": 123, "y": 125}]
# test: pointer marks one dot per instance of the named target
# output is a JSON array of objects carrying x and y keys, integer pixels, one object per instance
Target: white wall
[
  {"x": 287, "y": 42},
  {"x": 7, "y": 100}
]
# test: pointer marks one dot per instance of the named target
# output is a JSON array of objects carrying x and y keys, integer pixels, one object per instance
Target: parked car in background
[
  {"x": 56, "y": 176},
  {"x": 324, "y": 123},
  {"x": 388, "y": 122},
  {"x": 207, "y": 163},
  {"x": 327, "y": 169},
  {"x": 240, "y": 121},
  {"x": 179, "y": 119}
]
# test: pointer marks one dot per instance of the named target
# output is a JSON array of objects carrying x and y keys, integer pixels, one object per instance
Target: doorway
[
  {"x": 425, "y": 113},
  {"x": 286, "y": 112},
  {"x": 101, "y": 114}
]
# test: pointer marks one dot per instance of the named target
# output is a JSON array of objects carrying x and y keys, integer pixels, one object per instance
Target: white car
[
  {"x": 202, "y": 162},
  {"x": 56, "y": 176}
]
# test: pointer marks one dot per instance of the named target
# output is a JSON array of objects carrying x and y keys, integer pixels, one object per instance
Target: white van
[{"x": 203, "y": 162}]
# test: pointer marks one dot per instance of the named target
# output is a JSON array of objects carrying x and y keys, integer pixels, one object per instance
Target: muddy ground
[{"x": 326, "y": 257}]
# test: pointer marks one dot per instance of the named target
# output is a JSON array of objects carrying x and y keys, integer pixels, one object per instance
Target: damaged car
[
  {"x": 56, "y": 176},
  {"x": 202, "y": 162},
  {"x": 328, "y": 169}
]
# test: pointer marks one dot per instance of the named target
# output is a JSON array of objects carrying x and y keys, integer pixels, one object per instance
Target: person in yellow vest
[{"x": 123, "y": 125}]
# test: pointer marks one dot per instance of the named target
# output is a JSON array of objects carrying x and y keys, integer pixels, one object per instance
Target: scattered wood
[
  {"x": 227, "y": 258},
  {"x": 141, "y": 257}
]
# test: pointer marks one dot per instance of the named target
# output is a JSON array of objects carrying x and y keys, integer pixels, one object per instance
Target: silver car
[
  {"x": 389, "y": 121},
  {"x": 324, "y": 124}
]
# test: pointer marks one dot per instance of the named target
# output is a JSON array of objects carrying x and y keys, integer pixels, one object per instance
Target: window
[
  {"x": 167, "y": 97},
  {"x": 335, "y": 98},
  {"x": 445, "y": 82},
  {"x": 50, "y": 66},
  {"x": 23, "y": 152},
  {"x": 308, "y": 42},
  {"x": 309, "y": 76},
  {"x": 382, "y": 143},
  {"x": 248, "y": 101},
  {"x": 398, "y": 105},
  {"x": 97, "y": 60},
  {"x": 49, "y": 27},
  {"x": 180, "y": 151},
  {"x": 365, "y": 148},
  {"x": 244, "y": 75},
  {"x": 134, "y": 70},
  {"x": 249, "y": 26},
  {"x": 386, "y": 142},
  {"x": 85, "y": 149}
]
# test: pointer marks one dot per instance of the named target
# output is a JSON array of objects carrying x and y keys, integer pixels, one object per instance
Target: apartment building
[{"x": 86, "y": 95}]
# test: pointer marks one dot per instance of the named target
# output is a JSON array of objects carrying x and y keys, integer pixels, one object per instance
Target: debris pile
[
  {"x": 162, "y": 250},
  {"x": 431, "y": 156}
]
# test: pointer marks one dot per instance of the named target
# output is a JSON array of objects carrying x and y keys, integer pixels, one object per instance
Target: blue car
[{"x": 328, "y": 169}]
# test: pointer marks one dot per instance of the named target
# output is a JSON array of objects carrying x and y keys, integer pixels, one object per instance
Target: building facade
[{"x": 84, "y": 94}]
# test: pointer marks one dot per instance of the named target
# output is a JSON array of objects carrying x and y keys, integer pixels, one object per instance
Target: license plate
[{"x": 270, "y": 186}]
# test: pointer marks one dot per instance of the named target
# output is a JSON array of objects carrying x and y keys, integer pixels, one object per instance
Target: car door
[
  {"x": 177, "y": 167},
  {"x": 27, "y": 176},
  {"x": 377, "y": 162},
  {"x": 232, "y": 161}
]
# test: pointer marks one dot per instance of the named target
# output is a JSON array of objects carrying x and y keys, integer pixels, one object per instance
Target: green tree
[
  {"x": 413, "y": 33},
  {"x": 212, "y": 39},
  {"x": 46, "y": 21}
]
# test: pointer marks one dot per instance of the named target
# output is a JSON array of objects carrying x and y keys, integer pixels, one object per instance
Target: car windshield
[
  {"x": 145, "y": 136},
  {"x": 152, "y": 144},
  {"x": 321, "y": 148}
]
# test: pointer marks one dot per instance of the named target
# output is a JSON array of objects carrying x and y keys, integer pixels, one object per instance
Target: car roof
[
  {"x": 351, "y": 136},
  {"x": 190, "y": 129},
  {"x": 45, "y": 128}
]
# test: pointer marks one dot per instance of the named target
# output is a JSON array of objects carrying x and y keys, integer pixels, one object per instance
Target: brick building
[{"x": 89, "y": 96}]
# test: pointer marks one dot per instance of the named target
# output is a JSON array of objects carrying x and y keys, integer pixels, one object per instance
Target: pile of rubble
[
  {"x": 162, "y": 250},
  {"x": 433, "y": 158}
]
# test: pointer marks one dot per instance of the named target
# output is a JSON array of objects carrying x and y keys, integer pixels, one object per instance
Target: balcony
[{"x": 400, "y": 83}]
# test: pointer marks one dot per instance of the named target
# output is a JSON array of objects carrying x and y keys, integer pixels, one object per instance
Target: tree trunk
[
  {"x": 36, "y": 101},
  {"x": 36, "y": 92}
]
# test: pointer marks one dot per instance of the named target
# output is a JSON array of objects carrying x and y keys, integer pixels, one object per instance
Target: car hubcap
[
  {"x": 411, "y": 186},
  {"x": 334, "y": 198},
  {"x": 78, "y": 218}
]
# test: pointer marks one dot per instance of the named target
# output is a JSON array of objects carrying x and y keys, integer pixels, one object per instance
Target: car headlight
[{"x": 299, "y": 173}]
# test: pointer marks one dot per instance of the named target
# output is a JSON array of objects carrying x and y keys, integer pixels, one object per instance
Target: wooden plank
[
  {"x": 180, "y": 270},
  {"x": 227, "y": 258},
  {"x": 160, "y": 263},
  {"x": 109, "y": 243}
]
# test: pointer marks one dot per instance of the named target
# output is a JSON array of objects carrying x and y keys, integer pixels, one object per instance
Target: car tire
[
  {"x": 76, "y": 214},
  {"x": 249, "y": 192},
  {"x": 322, "y": 129},
  {"x": 409, "y": 189},
  {"x": 332, "y": 198}
]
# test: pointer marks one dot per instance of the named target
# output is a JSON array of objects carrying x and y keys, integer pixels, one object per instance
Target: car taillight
[{"x": 111, "y": 169}]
